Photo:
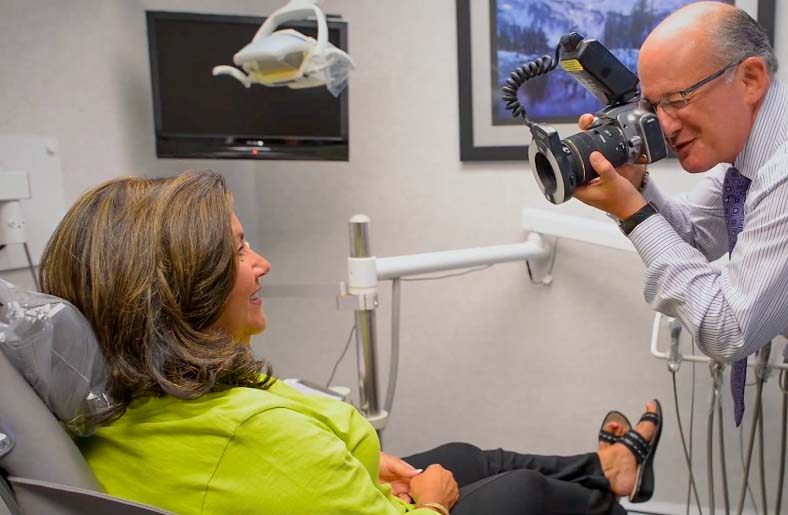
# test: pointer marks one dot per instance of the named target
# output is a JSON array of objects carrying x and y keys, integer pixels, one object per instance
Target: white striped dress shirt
[{"x": 732, "y": 310}]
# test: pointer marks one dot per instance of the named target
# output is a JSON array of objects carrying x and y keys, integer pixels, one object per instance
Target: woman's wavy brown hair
[{"x": 150, "y": 263}]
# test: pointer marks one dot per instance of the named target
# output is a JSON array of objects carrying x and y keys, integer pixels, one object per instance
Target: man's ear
[{"x": 755, "y": 79}]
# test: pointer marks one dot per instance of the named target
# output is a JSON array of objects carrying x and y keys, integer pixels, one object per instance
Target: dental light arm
[
  {"x": 288, "y": 58},
  {"x": 296, "y": 10}
]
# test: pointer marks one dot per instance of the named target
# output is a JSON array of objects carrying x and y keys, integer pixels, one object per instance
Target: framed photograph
[{"x": 496, "y": 36}]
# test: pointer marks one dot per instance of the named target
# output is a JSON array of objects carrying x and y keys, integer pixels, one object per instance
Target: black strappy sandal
[
  {"x": 620, "y": 419},
  {"x": 644, "y": 455}
]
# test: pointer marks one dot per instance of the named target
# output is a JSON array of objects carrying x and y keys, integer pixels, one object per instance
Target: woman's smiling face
[{"x": 243, "y": 313}]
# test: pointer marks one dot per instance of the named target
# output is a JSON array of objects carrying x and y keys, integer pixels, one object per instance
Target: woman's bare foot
[{"x": 618, "y": 462}]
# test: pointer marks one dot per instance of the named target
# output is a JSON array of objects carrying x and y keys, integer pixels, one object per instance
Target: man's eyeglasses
[{"x": 672, "y": 102}]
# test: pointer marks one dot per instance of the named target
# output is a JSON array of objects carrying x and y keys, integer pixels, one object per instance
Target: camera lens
[
  {"x": 608, "y": 139},
  {"x": 546, "y": 173},
  {"x": 552, "y": 163},
  {"x": 561, "y": 165}
]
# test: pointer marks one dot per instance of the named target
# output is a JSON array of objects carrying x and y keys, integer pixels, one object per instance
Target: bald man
[{"x": 708, "y": 71}]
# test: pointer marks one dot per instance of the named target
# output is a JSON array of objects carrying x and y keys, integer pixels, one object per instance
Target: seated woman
[{"x": 162, "y": 271}]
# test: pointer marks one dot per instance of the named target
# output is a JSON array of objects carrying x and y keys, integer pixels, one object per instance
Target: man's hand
[
  {"x": 615, "y": 190},
  {"x": 634, "y": 173},
  {"x": 397, "y": 473}
]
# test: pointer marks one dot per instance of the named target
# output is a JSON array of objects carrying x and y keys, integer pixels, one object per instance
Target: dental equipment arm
[
  {"x": 360, "y": 293},
  {"x": 657, "y": 353},
  {"x": 763, "y": 369}
]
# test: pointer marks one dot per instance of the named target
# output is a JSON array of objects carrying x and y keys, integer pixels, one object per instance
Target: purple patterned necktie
[{"x": 734, "y": 191}]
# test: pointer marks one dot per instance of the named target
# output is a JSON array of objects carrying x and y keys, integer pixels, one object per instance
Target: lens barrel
[
  {"x": 560, "y": 166},
  {"x": 609, "y": 140}
]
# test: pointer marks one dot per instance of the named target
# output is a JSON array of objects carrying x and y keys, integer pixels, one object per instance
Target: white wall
[{"x": 486, "y": 358}]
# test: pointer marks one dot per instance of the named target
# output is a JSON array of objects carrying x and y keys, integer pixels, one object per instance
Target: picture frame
[{"x": 481, "y": 139}]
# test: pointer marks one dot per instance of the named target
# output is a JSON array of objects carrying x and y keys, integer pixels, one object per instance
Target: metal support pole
[{"x": 366, "y": 339}]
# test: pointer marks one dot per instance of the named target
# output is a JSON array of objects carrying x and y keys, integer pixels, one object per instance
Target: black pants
[{"x": 499, "y": 482}]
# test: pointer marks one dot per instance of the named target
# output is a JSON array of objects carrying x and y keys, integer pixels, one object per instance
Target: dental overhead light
[{"x": 287, "y": 57}]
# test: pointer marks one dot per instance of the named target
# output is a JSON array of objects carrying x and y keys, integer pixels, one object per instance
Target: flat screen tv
[{"x": 198, "y": 115}]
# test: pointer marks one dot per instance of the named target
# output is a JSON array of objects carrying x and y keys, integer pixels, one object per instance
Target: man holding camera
[{"x": 708, "y": 71}]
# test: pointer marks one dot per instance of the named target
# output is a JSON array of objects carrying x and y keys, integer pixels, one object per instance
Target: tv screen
[{"x": 199, "y": 115}]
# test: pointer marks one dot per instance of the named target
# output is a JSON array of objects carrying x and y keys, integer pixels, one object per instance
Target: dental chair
[{"x": 51, "y": 370}]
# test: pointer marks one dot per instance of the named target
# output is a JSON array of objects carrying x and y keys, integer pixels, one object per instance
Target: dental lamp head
[{"x": 288, "y": 58}]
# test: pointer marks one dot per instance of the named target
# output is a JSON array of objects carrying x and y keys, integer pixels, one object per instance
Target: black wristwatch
[{"x": 628, "y": 225}]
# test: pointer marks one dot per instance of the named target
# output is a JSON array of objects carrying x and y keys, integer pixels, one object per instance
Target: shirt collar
[{"x": 768, "y": 133}]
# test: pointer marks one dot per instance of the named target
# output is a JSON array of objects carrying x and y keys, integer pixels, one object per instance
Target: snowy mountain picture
[{"x": 524, "y": 30}]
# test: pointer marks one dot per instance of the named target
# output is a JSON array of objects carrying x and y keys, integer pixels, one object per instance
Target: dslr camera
[{"x": 625, "y": 130}]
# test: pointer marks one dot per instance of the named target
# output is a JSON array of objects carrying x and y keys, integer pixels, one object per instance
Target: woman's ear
[{"x": 755, "y": 79}]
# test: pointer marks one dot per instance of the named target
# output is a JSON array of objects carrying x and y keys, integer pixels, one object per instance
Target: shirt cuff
[{"x": 653, "y": 237}]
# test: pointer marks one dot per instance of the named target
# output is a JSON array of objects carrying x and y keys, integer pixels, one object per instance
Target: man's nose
[{"x": 670, "y": 124}]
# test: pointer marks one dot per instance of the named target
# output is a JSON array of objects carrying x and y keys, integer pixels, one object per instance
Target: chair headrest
[{"x": 53, "y": 346}]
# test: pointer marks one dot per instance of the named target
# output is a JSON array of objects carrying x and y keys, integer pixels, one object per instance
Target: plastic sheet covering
[
  {"x": 333, "y": 66},
  {"x": 53, "y": 346}
]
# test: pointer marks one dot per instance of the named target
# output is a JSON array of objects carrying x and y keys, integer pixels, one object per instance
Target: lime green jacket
[{"x": 243, "y": 450}]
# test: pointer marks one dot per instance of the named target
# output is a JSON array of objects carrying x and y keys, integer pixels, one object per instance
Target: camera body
[{"x": 625, "y": 131}]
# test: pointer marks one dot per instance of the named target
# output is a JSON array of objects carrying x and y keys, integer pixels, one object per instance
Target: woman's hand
[
  {"x": 398, "y": 474},
  {"x": 435, "y": 484}
]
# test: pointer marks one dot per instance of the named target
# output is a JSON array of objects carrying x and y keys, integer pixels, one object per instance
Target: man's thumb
[{"x": 602, "y": 165}]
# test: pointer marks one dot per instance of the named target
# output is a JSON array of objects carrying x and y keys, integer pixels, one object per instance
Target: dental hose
[
  {"x": 710, "y": 442},
  {"x": 690, "y": 484},
  {"x": 394, "y": 357},
  {"x": 784, "y": 389},
  {"x": 723, "y": 462},
  {"x": 761, "y": 452},
  {"x": 750, "y": 445},
  {"x": 716, "y": 370},
  {"x": 763, "y": 356},
  {"x": 396, "y": 292},
  {"x": 674, "y": 363},
  {"x": 684, "y": 443},
  {"x": 762, "y": 373}
]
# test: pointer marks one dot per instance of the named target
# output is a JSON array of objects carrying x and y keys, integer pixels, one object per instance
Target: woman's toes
[
  {"x": 646, "y": 428},
  {"x": 613, "y": 428}
]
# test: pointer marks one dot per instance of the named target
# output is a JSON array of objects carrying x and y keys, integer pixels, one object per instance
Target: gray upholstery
[
  {"x": 8, "y": 504},
  {"x": 51, "y": 344},
  {"x": 46, "y": 471},
  {"x": 42, "y": 449},
  {"x": 4, "y": 509}
]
